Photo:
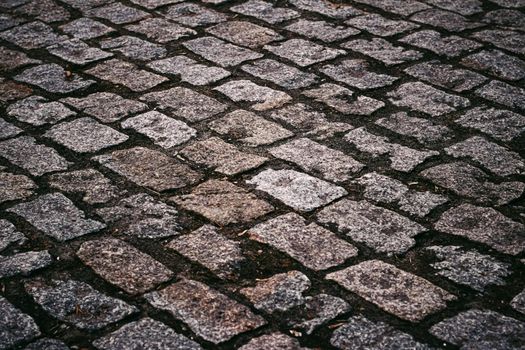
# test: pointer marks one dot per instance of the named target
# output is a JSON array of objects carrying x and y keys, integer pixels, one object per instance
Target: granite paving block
[
  {"x": 8, "y": 130},
  {"x": 9, "y": 236},
  {"x": 134, "y": 48},
  {"x": 275, "y": 341},
  {"x": 316, "y": 311},
  {"x": 189, "y": 70},
  {"x": 379, "y": 25},
  {"x": 11, "y": 59},
  {"x": 92, "y": 185},
  {"x": 518, "y": 302},
  {"x": 10, "y": 91},
  {"x": 244, "y": 33},
  {"x": 465, "y": 8},
  {"x": 15, "y": 186},
  {"x": 503, "y": 93},
  {"x": 281, "y": 74},
  {"x": 449, "y": 46},
  {"x": 37, "y": 110},
  {"x": 24, "y": 263},
  {"x": 383, "y": 51},
  {"x": 501, "y": 124},
  {"x": 265, "y": 11},
  {"x": 77, "y": 52},
  {"x": 497, "y": 63},
  {"x": 52, "y": 78},
  {"x": 117, "y": 13},
  {"x": 399, "y": 7},
  {"x": 303, "y": 52},
  {"x": 86, "y": 28},
  {"x": 344, "y": 100},
  {"x": 193, "y": 15},
  {"x": 327, "y": 8},
  {"x": 33, "y": 35},
  {"x": 263, "y": 97},
  {"x": 447, "y": 20},
  {"x": 220, "y": 52},
  {"x": 47, "y": 344},
  {"x": 153, "y": 4},
  {"x": 512, "y": 41},
  {"x": 16, "y": 327},
  {"x": 423, "y": 130},
  {"x": 161, "y": 30},
  {"x": 321, "y": 30},
  {"x": 44, "y": 10}
]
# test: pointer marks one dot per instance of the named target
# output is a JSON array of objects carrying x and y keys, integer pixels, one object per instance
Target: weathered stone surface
[
  {"x": 161, "y": 129},
  {"x": 123, "y": 265},
  {"x": 223, "y": 203},
  {"x": 33, "y": 35},
  {"x": 500, "y": 124},
  {"x": 15, "y": 326},
  {"x": 469, "y": 268},
  {"x": 8, "y": 130},
  {"x": 297, "y": 190},
  {"x": 496, "y": 63},
  {"x": 503, "y": 93},
  {"x": 509, "y": 3},
  {"x": 465, "y": 7},
  {"x": 273, "y": 341},
  {"x": 450, "y": 46},
  {"x": 469, "y": 181},
  {"x": 189, "y": 70},
  {"x": 47, "y": 344},
  {"x": 105, "y": 106},
  {"x": 149, "y": 168},
  {"x": 36, "y": 110},
  {"x": 161, "y": 30},
  {"x": 221, "y": 156},
  {"x": 327, "y": 8},
  {"x": 518, "y": 302},
  {"x": 9, "y": 235},
  {"x": 44, "y": 10},
  {"x": 303, "y": 52},
  {"x": 10, "y": 59},
  {"x": 91, "y": 184},
  {"x": 78, "y": 303},
  {"x": 355, "y": 73},
  {"x": 9, "y": 90},
  {"x": 56, "y": 216},
  {"x": 484, "y": 225},
  {"x": 249, "y": 128},
  {"x": 77, "y": 52},
  {"x": 265, "y": 11},
  {"x": 193, "y": 15},
  {"x": 153, "y": 4},
  {"x": 400, "y": 7},
  {"x": 423, "y": 130},
  {"x": 52, "y": 78},
  {"x": 450, "y": 21},
  {"x": 280, "y": 74},
  {"x": 86, "y": 28},
  {"x": 211, "y": 249},
  {"x": 321, "y": 30},
  {"x": 342, "y": 100},
  {"x": 15, "y": 187},
  {"x": 35, "y": 158},
  {"x": 398, "y": 292},
  {"x": 505, "y": 39},
  {"x": 210, "y": 314},
  {"x": 244, "y": 33},
  {"x": 24, "y": 263},
  {"x": 512, "y": 19},
  {"x": 186, "y": 103},
  {"x": 220, "y": 52},
  {"x": 142, "y": 216},
  {"x": 83, "y": 5},
  {"x": 424, "y": 98},
  {"x": 379, "y": 25},
  {"x": 310, "y": 244},
  {"x": 383, "y": 51},
  {"x": 361, "y": 333},
  {"x": 7, "y": 21},
  {"x": 117, "y": 13},
  {"x": 85, "y": 135},
  {"x": 481, "y": 329},
  {"x": 134, "y": 48},
  {"x": 127, "y": 74},
  {"x": 145, "y": 334},
  {"x": 247, "y": 91}
]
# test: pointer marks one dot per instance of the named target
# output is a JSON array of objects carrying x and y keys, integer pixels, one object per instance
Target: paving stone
[
  {"x": 497, "y": 63},
  {"x": 86, "y": 28},
  {"x": 223, "y": 203},
  {"x": 466, "y": 180},
  {"x": 189, "y": 70},
  {"x": 8, "y": 130},
  {"x": 469, "y": 268},
  {"x": 123, "y": 265},
  {"x": 9, "y": 235},
  {"x": 52, "y": 78},
  {"x": 163, "y": 130},
  {"x": 33, "y": 35},
  {"x": 321, "y": 30},
  {"x": 342, "y": 99},
  {"x": 398, "y": 292},
  {"x": 221, "y": 156},
  {"x": 303, "y": 52},
  {"x": 265, "y": 11},
  {"x": 149, "y": 168},
  {"x": 83, "y": 5},
  {"x": 508, "y": 18},
  {"x": 78, "y": 303},
  {"x": 206, "y": 246},
  {"x": 501, "y": 124},
  {"x": 161, "y": 30},
  {"x": 127, "y": 74},
  {"x": 273, "y": 341},
  {"x": 43, "y": 10},
  {"x": 244, "y": 33},
  {"x": 10, "y": 59},
  {"x": 505, "y": 39},
  {"x": 310, "y": 244},
  {"x": 424, "y": 98},
  {"x": 153, "y": 4},
  {"x": 142, "y": 216},
  {"x": 7, "y": 21},
  {"x": 117, "y": 13},
  {"x": 247, "y": 91},
  {"x": 85, "y": 135},
  {"x": 297, "y": 190},
  {"x": 203, "y": 310},
  {"x": 220, "y": 52},
  {"x": 356, "y": 74},
  {"x": 402, "y": 158},
  {"x": 145, "y": 334},
  {"x": 327, "y": 8},
  {"x": 484, "y": 225},
  {"x": 24, "y": 263},
  {"x": 311, "y": 156},
  {"x": 134, "y": 48},
  {"x": 496, "y": 158},
  {"x": 35, "y": 158},
  {"x": 7, "y": 4},
  {"x": 361, "y": 333},
  {"x": 15, "y": 326},
  {"x": 465, "y": 8},
  {"x": 481, "y": 329},
  {"x": 47, "y": 344},
  {"x": 518, "y": 302},
  {"x": 382, "y": 50},
  {"x": 509, "y": 3},
  {"x": 310, "y": 121},
  {"x": 450, "y": 46},
  {"x": 423, "y": 130},
  {"x": 316, "y": 311},
  {"x": 450, "y": 21},
  {"x": 15, "y": 186},
  {"x": 9, "y": 90},
  {"x": 399, "y": 7},
  {"x": 193, "y": 15},
  {"x": 37, "y": 110},
  {"x": 379, "y": 25},
  {"x": 380, "y": 229},
  {"x": 56, "y": 216},
  {"x": 445, "y": 76},
  {"x": 280, "y": 74},
  {"x": 89, "y": 183},
  {"x": 503, "y": 93}
]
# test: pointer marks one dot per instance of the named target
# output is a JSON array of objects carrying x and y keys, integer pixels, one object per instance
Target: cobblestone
[
  {"x": 10, "y": 59},
  {"x": 423, "y": 130},
  {"x": 86, "y": 28},
  {"x": 33, "y": 35},
  {"x": 505, "y": 39},
  {"x": 117, "y": 13},
  {"x": 342, "y": 100},
  {"x": 9, "y": 235},
  {"x": 244, "y": 33},
  {"x": 36, "y": 110},
  {"x": 161, "y": 30},
  {"x": 15, "y": 187},
  {"x": 8, "y": 130},
  {"x": 24, "y": 263},
  {"x": 379, "y": 25},
  {"x": 247, "y": 91},
  {"x": 134, "y": 48},
  {"x": 265, "y": 11},
  {"x": 503, "y": 93},
  {"x": 496, "y": 63},
  {"x": 220, "y": 52},
  {"x": 518, "y": 302},
  {"x": 383, "y": 51},
  {"x": 193, "y": 15},
  {"x": 321, "y": 30},
  {"x": 450, "y": 21},
  {"x": 77, "y": 52},
  {"x": 303, "y": 52},
  {"x": 280, "y": 74},
  {"x": 274, "y": 340},
  {"x": 52, "y": 78},
  {"x": 355, "y": 73},
  {"x": 450, "y": 46},
  {"x": 91, "y": 184},
  {"x": 189, "y": 70},
  {"x": 16, "y": 327}
]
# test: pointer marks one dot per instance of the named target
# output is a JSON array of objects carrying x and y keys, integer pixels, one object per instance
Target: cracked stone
[
  {"x": 342, "y": 100},
  {"x": 500, "y": 124},
  {"x": 423, "y": 130},
  {"x": 220, "y": 52},
  {"x": 465, "y": 7},
  {"x": 450, "y": 46},
  {"x": 484, "y": 225},
  {"x": 379, "y": 25},
  {"x": 221, "y": 156},
  {"x": 189, "y": 70},
  {"x": 398, "y": 292},
  {"x": 383, "y": 51},
  {"x": 149, "y": 168},
  {"x": 24, "y": 263},
  {"x": 356, "y": 74},
  {"x": 38, "y": 111},
  {"x": 505, "y": 39},
  {"x": 134, "y": 48},
  {"x": 265, "y": 11},
  {"x": 310, "y": 244},
  {"x": 161, "y": 129},
  {"x": 450, "y": 21},
  {"x": 209, "y": 313},
  {"x": 193, "y": 15},
  {"x": 518, "y": 302},
  {"x": 161, "y": 30},
  {"x": 15, "y": 326},
  {"x": 15, "y": 186},
  {"x": 303, "y": 52},
  {"x": 117, "y": 13},
  {"x": 280, "y": 74},
  {"x": 44, "y": 10},
  {"x": 86, "y": 28},
  {"x": 123, "y": 265},
  {"x": 52, "y": 78},
  {"x": 321, "y": 30},
  {"x": 399, "y": 7},
  {"x": 33, "y": 35},
  {"x": 8, "y": 130},
  {"x": 503, "y": 93},
  {"x": 496, "y": 63},
  {"x": 10, "y": 59},
  {"x": 9, "y": 235},
  {"x": 247, "y": 91},
  {"x": 78, "y": 303},
  {"x": 224, "y": 203},
  {"x": 244, "y": 33},
  {"x": 273, "y": 341}
]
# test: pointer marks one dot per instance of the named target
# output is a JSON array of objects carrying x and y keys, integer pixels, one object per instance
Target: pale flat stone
[
  {"x": 52, "y": 78},
  {"x": 246, "y": 91},
  {"x": 449, "y": 46},
  {"x": 273, "y": 341},
  {"x": 321, "y": 30},
  {"x": 265, "y": 11},
  {"x": 193, "y": 15},
  {"x": 423, "y": 130},
  {"x": 281, "y": 74},
  {"x": 501, "y": 124},
  {"x": 344, "y": 100},
  {"x": 189, "y": 70},
  {"x": 220, "y": 52},
  {"x": 91, "y": 184},
  {"x": 36, "y": 110},
  {"x": 244, "y": 33},
  {"x": 303, "y": 52},
  {"x": 134, "y": 48},
  {"x": 383, "y": 51},
  {"x": 379, "y": 25},
  {"x": 161, "y": 30}
]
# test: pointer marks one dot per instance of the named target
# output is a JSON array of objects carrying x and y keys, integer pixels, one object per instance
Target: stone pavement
[{"x": 258, "y": 174}]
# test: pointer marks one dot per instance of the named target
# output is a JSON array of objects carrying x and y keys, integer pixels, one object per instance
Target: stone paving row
[{"x": 262, "y": 174}]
